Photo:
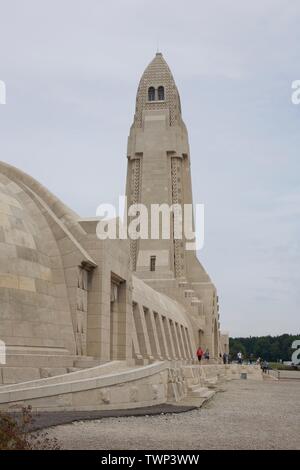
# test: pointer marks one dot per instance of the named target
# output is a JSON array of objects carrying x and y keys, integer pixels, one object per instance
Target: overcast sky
[{"x": 71, "y": 70}]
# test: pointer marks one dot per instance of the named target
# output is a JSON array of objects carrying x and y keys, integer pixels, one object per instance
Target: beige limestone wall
[
  {"x": 109, "y": 320},
  {"x": 161, "y": 328},
  {"x": 34, "y": 309}
]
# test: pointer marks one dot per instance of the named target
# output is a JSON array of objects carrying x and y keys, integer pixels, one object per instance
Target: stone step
[
  {"x": 211, "y": 383},
  {"x": 52, "y": 371},
  {"x": 38, "y": 360},
  {"x": 14, "y": 375},
  {"x": 194, "y": 386},
  {"x": 192, "y": 401},
  {"x": 211, "y": 380},
  {"x": 72, "y": 369},
  {"x": 87, "y": 362},
  {"x": 201, "y": 392},
  {"x": 14, "y": 378}
]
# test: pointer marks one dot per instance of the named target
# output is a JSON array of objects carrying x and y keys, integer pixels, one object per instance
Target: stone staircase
[
  {"x": 199, "y": 384},
  {"x": 211, "y": 382},
  {"x": 196, "y": 391},
  {"x": 80, "y": 374},
  {"x": 27, "y": 367}
]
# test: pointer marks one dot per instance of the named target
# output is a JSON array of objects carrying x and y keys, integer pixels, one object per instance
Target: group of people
[
  {"x": 264, "y": 365},
  {"x": 259, "y": 361},
  {"x": 202, "y": 354},
  {"x": 205, "y": 355}
]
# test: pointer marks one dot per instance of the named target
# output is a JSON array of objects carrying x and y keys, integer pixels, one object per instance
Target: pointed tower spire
[
  {"x": 157, "y": 90},
  {"x": 158, "y": 168}
]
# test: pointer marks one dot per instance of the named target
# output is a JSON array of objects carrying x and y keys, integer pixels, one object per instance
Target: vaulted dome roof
[{"x": 34, "y": 307}]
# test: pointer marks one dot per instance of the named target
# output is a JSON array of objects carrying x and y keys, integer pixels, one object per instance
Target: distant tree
[
  {"x": 236, "y": 346},
  {"x": 271, "y": 348}
]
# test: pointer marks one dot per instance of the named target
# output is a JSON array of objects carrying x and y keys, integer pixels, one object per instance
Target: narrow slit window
[
  {"x": 151, "y": 94},
  {"x": 161, "y": 93},
  {"x": 152, "y": 263}
]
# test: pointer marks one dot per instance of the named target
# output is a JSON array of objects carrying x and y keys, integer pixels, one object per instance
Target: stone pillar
[
  {"x": 162, "y": 336},
  {"x": 151, "y": 327},
  {"x": 169, "y": 338},
  {"x": 143, "y": 338}
]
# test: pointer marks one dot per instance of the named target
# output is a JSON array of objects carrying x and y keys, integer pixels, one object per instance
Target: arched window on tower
[
  {"x": 151, "y": 94},
  {"x": 161, "y": 93}
]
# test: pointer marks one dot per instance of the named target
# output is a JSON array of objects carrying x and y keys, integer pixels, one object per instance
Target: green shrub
[{"x": 279, "y": 366}]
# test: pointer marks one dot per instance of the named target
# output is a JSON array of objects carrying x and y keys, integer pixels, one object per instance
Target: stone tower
[{"x": 159, "y": 172}]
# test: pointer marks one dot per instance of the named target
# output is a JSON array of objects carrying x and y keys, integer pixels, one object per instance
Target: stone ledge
[{"x": 54, "y": 390}]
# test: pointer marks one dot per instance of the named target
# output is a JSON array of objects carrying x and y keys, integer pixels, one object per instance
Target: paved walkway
[{"x": 245, "y": 415}]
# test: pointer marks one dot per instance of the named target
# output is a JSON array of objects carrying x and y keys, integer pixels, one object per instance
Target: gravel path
[
  {"x": 47, "y": 419},
  {"x": 244, "y": 415}
]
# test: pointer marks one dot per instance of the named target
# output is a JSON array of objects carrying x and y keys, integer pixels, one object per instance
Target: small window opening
[
  {"x": 161, "y": 93},
  {"x": 151, "y": 94},
  {"x": 152, "y": 263}
]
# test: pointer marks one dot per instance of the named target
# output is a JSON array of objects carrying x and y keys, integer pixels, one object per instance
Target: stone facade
[
  {"x": 159, "y": 172},
  {"x": 70, "y": 302}
]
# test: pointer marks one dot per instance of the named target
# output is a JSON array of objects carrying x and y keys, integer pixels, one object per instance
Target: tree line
[{"x": 270, "y": 348}]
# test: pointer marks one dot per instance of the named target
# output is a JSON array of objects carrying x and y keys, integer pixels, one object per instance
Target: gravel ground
[
  {"x": 243, "y": 415},
  {"x": 47, "y": 419}
]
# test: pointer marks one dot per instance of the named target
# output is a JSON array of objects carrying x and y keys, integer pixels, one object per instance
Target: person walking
[
  {"x": 240, "y": 357},
  {"x": 206, "y": 355},
  {"x": 225, "y": 360},
  {"x": 200, "y": 353},
  {"x": 265, "y": 367}
]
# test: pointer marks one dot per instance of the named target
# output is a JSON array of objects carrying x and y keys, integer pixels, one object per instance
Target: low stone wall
[
  {"x": 134, "y": 388},
  {"x": 234, "y": 371},
  {"x": 100, "y": 388}
]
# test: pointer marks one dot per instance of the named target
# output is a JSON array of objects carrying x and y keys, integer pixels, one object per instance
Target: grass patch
[{"x": 279, "y": 366}]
